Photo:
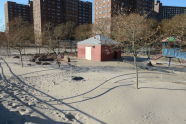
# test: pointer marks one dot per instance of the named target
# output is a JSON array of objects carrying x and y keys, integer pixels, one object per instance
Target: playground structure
[{"x": 171, "y": 48}]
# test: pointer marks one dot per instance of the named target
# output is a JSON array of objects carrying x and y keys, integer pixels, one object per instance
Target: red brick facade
[{"x": 99, "y": 53}]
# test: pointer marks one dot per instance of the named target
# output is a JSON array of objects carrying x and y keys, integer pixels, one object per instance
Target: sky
[{"x": 2, "y": 20}]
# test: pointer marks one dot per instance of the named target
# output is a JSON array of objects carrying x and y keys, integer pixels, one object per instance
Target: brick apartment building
[
  {"x": 167, "y": 12},
  {"x": 106, "y": 9},
  {"x": 40, "y": 12},
  {"x": 144, "y": 7},
  {"x": 152, "y": 8},
  {"x": 84, "y": 12},
  {"x": 60, "y": 11},
  {"x": 14, "y": 10}
]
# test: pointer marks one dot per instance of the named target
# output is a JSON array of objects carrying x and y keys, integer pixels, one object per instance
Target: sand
[{"x": 37, "y": 94}]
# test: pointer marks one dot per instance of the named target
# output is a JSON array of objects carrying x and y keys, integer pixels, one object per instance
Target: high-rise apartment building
[
  {"x": 167, "y": 12},
  {"x": 14, "y": 10},
  {"x": 41, "y": 12},
  {"x": 84, "y": 12},
  {"x": 59, "y": 11},
  {"x": 47, "y": 11},
  {"x": 56, "y": 11},
  {"x": 144, "y": 7},
  {"x": 106, "y": 9}
]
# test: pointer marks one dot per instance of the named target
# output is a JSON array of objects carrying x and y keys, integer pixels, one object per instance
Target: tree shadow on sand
[
  {"x": 8, "y": 117},
  {"x": 161, "y": 88},
  {"x": 20, "y": 84}
]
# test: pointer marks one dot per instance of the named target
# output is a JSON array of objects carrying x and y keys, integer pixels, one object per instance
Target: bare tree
[
  {"x": 175, "y": 27},
  {"x": 103, "y": 27},
  {"x": 134, "y": 31},
  {"x": 3, "y": 39},
  {"x": 53, "y": 35},
  {"x": 50, "y": 40},
  {"x": 83, "y": 32},
  {"x": 64, "y": 32},
  {"x": 20, "y": 35}
]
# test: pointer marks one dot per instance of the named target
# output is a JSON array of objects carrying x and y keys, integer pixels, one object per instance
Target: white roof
[{"x": 98, "y": 40}]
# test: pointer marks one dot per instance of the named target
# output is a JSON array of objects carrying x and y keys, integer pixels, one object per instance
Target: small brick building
[{"x": 98, "y": 48}]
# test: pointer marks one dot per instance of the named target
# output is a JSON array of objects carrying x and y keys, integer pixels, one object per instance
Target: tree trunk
[
  {"x": 8, "y": 49},
  {"x": 24, "y": 51},
  {"x": 39, "y": 50},
  {"x": 58, "y": 47},
  {"x": 148, "y": 53},
  {"x": 57, "y": 61},
  {"x": 136, "y": 67},
  {"x": 21, "y": 57},
  {"x": 71, "y": 47},
  {"x": 65, "y": 45}
]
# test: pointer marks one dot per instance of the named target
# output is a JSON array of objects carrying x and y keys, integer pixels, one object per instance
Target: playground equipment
[{"x": 171, "y": 49}]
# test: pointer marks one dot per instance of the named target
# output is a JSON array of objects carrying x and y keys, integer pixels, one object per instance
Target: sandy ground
[{"x": 37, "y": 94}]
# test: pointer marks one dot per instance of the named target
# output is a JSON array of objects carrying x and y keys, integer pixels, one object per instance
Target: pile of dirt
[
  {"x": 75, "y": 78},
  {"x": 16, "y": 57},
  {"x": 43, "y": 57},
  {"x": 46, "y": 63},
  {"x": 70, "y": 116}
]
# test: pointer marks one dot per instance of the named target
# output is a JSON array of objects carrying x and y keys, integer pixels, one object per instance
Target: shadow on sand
[
  {"x": 8, "y": 117},
  {"x": 25, "y": 85},
  {"x": 160, "y": 88}
]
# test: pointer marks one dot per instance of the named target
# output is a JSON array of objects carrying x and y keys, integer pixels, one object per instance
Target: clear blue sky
[{"x": 165, "y": 2}]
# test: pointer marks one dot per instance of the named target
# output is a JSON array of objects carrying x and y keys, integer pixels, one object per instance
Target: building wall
[
  {"x": 40, "y": 12},
  {"x": 58, "y": 12},
  {"x": 96, "y": 52},
  {"x": 108, "y": 53},
  {"x": 84, "y": 12},
  {"x": 144, "y": 7},
  {"x": 102, "y": 15},
  {"x": 6, "y": 16},
  {"x": 14, "y": 10},
  {"x": 71, "y": 10},
  {"x": 102, "y": 9},
  {"x": 157, "y": 5},
  {"x": 99, "y": 52},
  {"x": 30, "y": 3},
  {"x": 61, "y": 11},
  {"x": 109, "y": 8},
  {"x": 167, "y": 12},
  {"x": 106, "y": 9},
  {"x": 37, "y": 14},
  {"x": 123, "y": 6},
  {"x": 81, "y": 51}
]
